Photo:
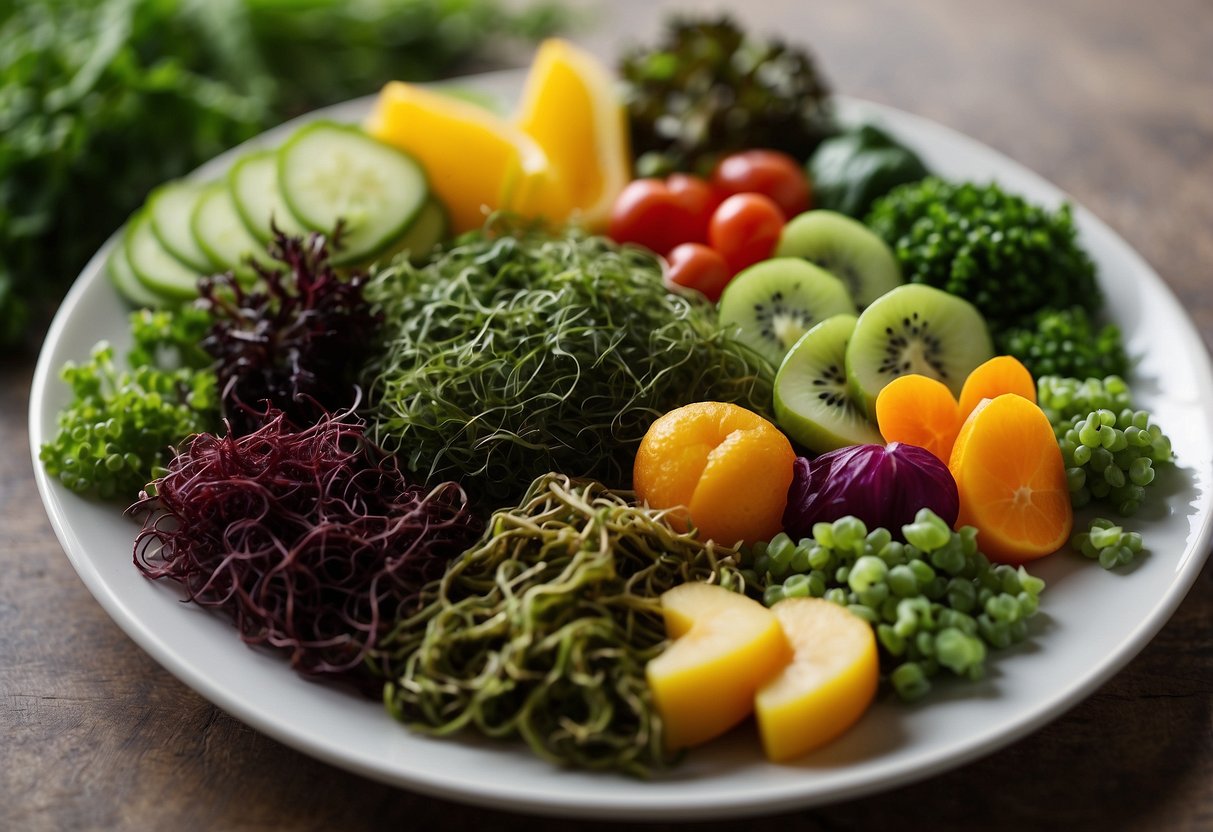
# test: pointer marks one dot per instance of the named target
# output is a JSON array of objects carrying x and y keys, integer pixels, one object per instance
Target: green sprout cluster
[
  {"x": 1110, "y": 457},
  {"x": 1109, "y": 449},
  {"x": 1108, "y": 543},
  {"x": 120, "y": 424},
  {"x": 935, "y": 601},
  {"x": 1066, "y": 342}
]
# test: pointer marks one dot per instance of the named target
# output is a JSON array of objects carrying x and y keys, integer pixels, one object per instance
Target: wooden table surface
[{"x": 1112, "y": 100}]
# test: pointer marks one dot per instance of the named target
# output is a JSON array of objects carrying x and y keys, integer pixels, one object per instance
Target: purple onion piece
[{"x": 884, "y": 486}]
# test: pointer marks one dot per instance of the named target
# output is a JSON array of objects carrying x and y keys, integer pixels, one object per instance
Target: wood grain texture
[{"x": 1112, "y": 100}]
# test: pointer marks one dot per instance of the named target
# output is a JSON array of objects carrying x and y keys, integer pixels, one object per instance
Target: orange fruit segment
[
  {"x": 727, "y": 467},
  {"x": 921, "y": 411},
  {"x": 571, "y": 109},
  {"x": 1001, "y": 374},
  {"x": 476, "y": 161},
  {"x": 1012, "y": 480}
]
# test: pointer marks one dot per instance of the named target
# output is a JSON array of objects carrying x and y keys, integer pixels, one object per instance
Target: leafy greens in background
[{"x": 100, "y": 100}]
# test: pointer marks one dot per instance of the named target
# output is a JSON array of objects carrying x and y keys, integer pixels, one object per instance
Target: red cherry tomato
[
  {"x": 745, "y": 229},
  {"x": 695, "y": 266},
  {"x": 699, "y": 197},
  {"x": 767, "y": 172},
  {"x": 648, "y": 213}
]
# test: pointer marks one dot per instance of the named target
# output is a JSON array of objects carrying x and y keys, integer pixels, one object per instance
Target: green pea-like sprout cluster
[
  {"x": 119, "y": 427},
  {"x": 1067, "y": 343},
  {"x": 1109, "y": 449},
  {"x": 1110, "y": 452},
  {"x": 935, "y": 601},
  {"x": 1062, "y": 397},
  {"x": 1108, "y": 543},
  {"x": 1110, "y": 457}
]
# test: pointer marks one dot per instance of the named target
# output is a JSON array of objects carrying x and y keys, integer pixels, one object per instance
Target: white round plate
[{"x": 1091, "y": 622}]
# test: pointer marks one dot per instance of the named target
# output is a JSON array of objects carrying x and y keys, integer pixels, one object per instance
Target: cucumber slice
[
  {"x": 123, "y": 277},
  {"x": 155, "y": 268},
  {"x": 170, "y": 207},
  {"x": 254, "y": 185},
  {"x": 329, "y": 172},
  {"x": 222, "y": 234},
  {"x": 428, "y": 230}
]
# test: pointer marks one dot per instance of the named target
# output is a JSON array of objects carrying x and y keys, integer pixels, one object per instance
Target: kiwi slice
[
  {"x": 916, "y": 329},
  {"x": 813, "y": 401},
  {"x": 775, "y": 302},
  {"x": 846, "y": 249}
]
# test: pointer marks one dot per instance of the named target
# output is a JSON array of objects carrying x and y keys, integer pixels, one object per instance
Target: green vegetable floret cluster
[
  {"x": 1068, "y": 343},
  {"x": 708, "y": 88},
  {"x": 935, "y": 601},
  {"x": 1006, "y": 256},
  {"x": 117, "y": 431}
]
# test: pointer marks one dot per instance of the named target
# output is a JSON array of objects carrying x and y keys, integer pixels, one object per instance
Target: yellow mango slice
[
  {"x": 476, "y": 161},
  {"x": 725, "y": 647},
  {"x": 829, "y": 683},
  {"x": 571, "y": 108}
]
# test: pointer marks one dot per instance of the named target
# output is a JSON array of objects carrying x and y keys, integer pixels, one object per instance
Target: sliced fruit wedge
[
  {"x": 1011, "y": 479},
  {"x": 477, "y": 161},
  {"x": 846, "y": 249},
  {"x": 570, "y": 107},
  {"x": 776, "y": 301},
  {"x": 725, "y": 647},
  {"x": 329, "y": 172},
  {"x": 916, "y": 329},
  {"x": 813, "y": 401},
  {"x": 829, "y": 683}
]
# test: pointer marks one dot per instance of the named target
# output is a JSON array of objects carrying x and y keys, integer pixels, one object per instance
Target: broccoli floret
[
  {"x": 1066, "y": 342},
  {"x": 1007, "y": 257}
]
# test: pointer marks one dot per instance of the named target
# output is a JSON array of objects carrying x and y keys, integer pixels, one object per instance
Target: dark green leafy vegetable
[
  {"x": 708, "y": 89},
  {"x": 1066, "y": 342},
  {"x": 935, "y": 601},
  {"x": 509, "y": 356},
  {"x": 119, "y": 427},
  {"x": 542, "y": 630},
  {"x": 100, "y": 100},
  {"x": 1006, "y": 256},
  {"x": 851, "y": 170}
]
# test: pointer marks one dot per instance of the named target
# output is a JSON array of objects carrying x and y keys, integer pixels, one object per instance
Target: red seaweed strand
[{"x": 311, "y": 540}]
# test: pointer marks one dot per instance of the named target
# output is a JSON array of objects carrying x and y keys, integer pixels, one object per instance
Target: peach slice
[
  {"x": 725, "y": 647},
  {"x": 729, "y": 467},
  {"x": 827, "y": 686}
]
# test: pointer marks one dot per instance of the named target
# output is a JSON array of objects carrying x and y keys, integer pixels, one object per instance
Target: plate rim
[{"x": 640, "y": 807}]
